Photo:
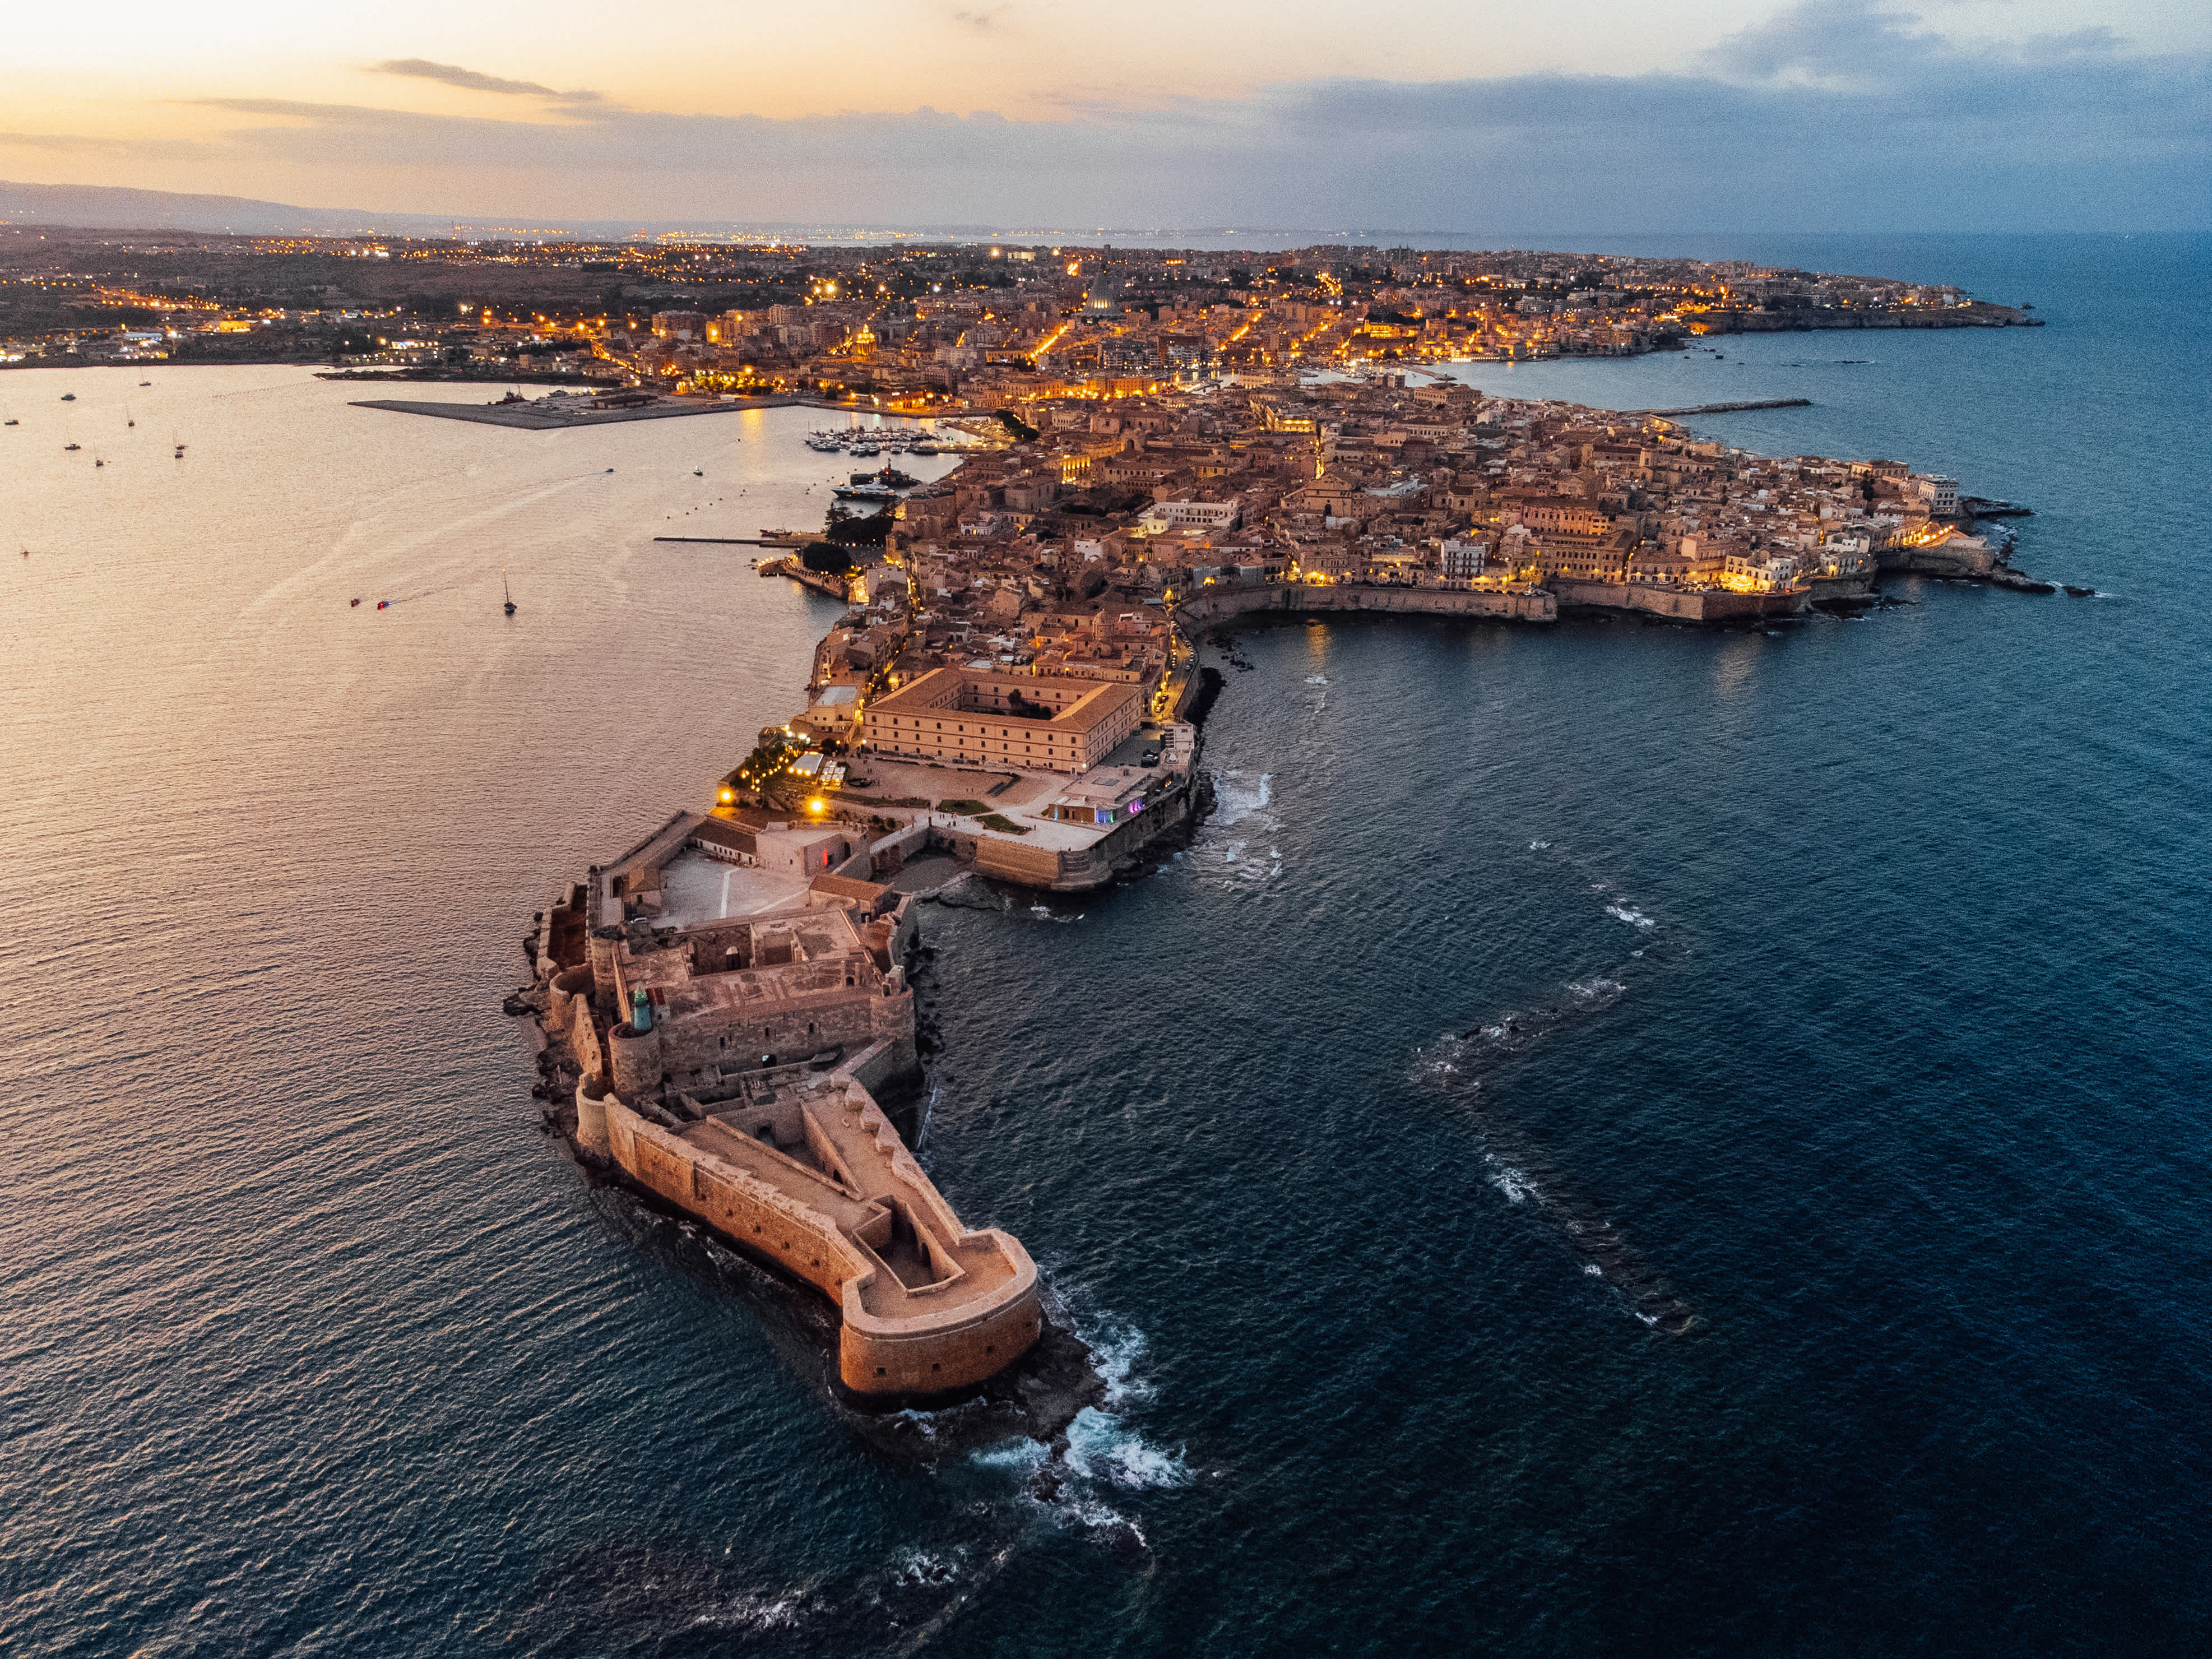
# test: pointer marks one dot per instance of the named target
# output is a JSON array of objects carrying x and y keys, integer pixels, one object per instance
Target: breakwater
[{"x": 1728, "y": 407}]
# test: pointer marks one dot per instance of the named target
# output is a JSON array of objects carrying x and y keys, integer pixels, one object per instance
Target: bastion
[{"x": 733, "y": 998}]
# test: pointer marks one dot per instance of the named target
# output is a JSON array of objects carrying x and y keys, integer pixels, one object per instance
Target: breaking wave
[
  {"x": 1101, "y": 1447},
  {"x": 1235, "y": 800}
]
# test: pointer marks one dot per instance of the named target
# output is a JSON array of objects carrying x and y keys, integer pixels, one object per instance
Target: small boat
[
  {"x": 696, "y": 473},
  {"x": 505, "y": 592},
  {"x": 67, "y": 447},
  {"x": 96, "y": 461},
  {"x": 69, "y": 396},
  {"x": 384, "y": 605},
  {"x": 145, "y": 383},
  {"x": 355, "y": 605}
]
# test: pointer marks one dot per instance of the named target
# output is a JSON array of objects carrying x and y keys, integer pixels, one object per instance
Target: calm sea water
[{"x": 1841, "y": 987}]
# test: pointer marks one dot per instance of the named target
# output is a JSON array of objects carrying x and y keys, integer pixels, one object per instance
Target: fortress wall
[
  {"x": 1035, "y": 866},
  {"x": 602, "y": 959},
  {"x": 567, "y": 987},
  {"x": 1218, "y": 603},
  {"x": 875, "y": 1356},
  {"x": 806, "y": 1242},
  {"x": 879, "y": 1362},
  {"x": 591, "y": 1118},
  {"x": 878, "y": 1064},
  {"x": 583, "y": 1039},
  {"x": 790, "y": 1033},
  {"x": 802, "y": 1240},
  {"x": 637, "y": 1059},
  {"x": 1962, "y": 555},
  {"x": 893, "y": 1024},
  {"x": 856, "y": 1019},
  {"x": 1695, "y": 605},
  {"x": 896, "y": 850}
]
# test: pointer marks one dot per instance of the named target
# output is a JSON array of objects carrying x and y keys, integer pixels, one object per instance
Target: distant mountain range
[
  {"x": 105, "y": 207},
  {"x": 102, "y": 207}
]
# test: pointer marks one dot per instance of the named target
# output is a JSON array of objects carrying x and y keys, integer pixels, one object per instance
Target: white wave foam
[
  {"x": 1594, "y": 992},
  {"x": 1517, "y": 1187},
  {"x": 1115, "y": 1353},
  {"x": 1234, "y": 801},
  {"x": 1021, "y": 1455},
  {"x": 751, "y": 1612},
  {"x": 1102, "y": 1518},
  {"x": 1316, "y": 680},
  {"x": 1631, "y": 915},
  {"x": 1539, "y": 846},
  {"x": 919, "y": 1567},
  {"x": 1101, "y": 1448}
]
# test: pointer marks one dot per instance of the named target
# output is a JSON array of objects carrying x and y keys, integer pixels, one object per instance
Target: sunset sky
[{"x": 1833, "y": 114}]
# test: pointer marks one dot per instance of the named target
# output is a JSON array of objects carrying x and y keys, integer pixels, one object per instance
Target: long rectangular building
[{"x": 1034, "y": 722}]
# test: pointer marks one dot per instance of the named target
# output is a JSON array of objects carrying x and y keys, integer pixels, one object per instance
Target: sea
[{"x": 1613, "y": 1139}]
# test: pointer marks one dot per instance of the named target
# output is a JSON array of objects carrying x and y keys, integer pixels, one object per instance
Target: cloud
[
  {"x": 121, "y": 149},
  {"x": 980, "y": 18},
  {"x": 453, "y": 75},
  {"x": 1835, "y": 115},
  {"x": 1858, "y": 44}
]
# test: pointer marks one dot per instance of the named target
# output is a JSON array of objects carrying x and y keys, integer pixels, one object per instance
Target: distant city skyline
[{"x": 1830, "y": 114}]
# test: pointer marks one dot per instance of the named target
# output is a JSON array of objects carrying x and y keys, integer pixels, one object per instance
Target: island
[{"x": 1017, "y": 687}]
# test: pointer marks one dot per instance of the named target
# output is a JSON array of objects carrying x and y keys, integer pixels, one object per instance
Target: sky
[{"x": 1417, "y": 115}]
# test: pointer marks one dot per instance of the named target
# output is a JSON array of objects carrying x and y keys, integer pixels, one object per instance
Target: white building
[
  {"x": 1942, "y": 494},
  {"x": 1464, "y": 559},
  {"x": 1194, "y": 515},
  {"x": 1764, "y": 570}
]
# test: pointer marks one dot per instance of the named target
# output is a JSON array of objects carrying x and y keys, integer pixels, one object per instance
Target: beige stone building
[{"x": 1028, "y": 722}]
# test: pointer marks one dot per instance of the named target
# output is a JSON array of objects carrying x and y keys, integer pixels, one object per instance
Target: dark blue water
[{"x": 1837, "y": 992}]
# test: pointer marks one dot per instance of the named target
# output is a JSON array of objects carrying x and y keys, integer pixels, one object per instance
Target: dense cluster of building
[
  {"x": 907, "y": 324},
  {"x": 1065, "y": 556}
]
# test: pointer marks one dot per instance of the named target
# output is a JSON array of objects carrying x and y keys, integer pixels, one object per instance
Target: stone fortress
[{"x": 732, "y": 1003}]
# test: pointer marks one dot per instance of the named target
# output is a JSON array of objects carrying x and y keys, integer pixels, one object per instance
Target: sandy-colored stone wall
[
  {"x": 958, "y": 1356},
  {"x": 961, "y": 1337},
  {"x": 1217, "y": 604}
]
